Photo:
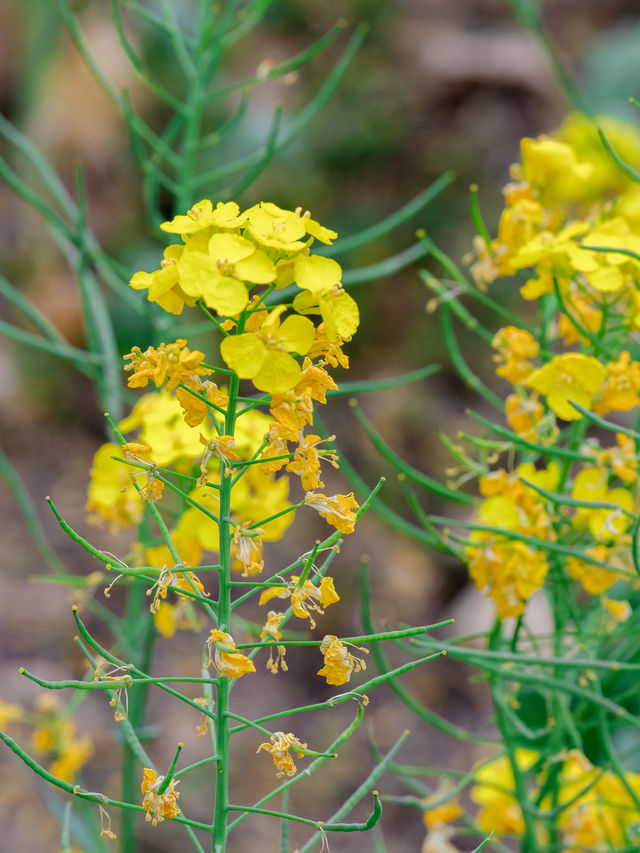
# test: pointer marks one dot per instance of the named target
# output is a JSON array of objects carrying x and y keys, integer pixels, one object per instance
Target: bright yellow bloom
[
  {"x": 112, "y": 495},
  {"x": 284, "y": 230},
  {"x": 272, "y": 629},
  {"x": 621, "y": 390},
  {"x": 590, "y": 484},
  {"x": 553, "y": 169},
  {"x": 280, "y": 747},
  {"x": 264, "y": 356},
  {"x": 225, "y": 216},
  {"x": 228, "y": 664},
  {"x": 570, "y": 377},
  {"x": 594, "y": 579},
  {"x": 339, "y": 663},
  {"x": 320, "y": 279},
  {"x": 494, "y": 792},
  {"x": 304, "y": 598},
  {"x": 163, "y": 284},
  {"x": 217, "y": 270},
  {"x": 514, "y": 347},
  {"x": 158, "y": 806},
  {"x": 339, "y": 510},
  {"x": 169, "y": 363}
]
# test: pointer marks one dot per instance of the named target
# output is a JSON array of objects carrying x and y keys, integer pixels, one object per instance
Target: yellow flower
[
  {"x": 246, "y": 547},
  {"x": 507, "y": 570},
  {"x": 163, "y": 284},
  {"x": 225, "y": 215},
  {"x": 9, "y": 713},
  {"x": 169, "y": 363},
  {"x": 329, "y": 351},
  {"x": 514, "y": 346},
  {"x": 112, "y": 495},
  {"x": 264, "y": 356},
  {"x": 569, "y": 377},
  {"x": 280, "y": 747},
  {"x": 194, "y": 409},
  {"x": 339, "y": 663},
  {"x": 320, "y": 279},
  {"x": 228, "y": 664},
  {"x": 292, "y": 411},
  {"x": 621, "y": 390},
  {"x": 339, "y": 510},
  {"x": 622, "y": 458},
  {"x": 494, "y": 792},
  {"x": 590, "y": 484},
  {"x": 217, "y": 270},
  {"x": 272, "y": 629},
  {"x": 553, "y": 168},
  {"x": 284, "y": 230},
  {"x": 316, "y": 379},
  {"x": 526, "y": 417},
  {"x": 594, "y": 579},
  {"x": 306, "y": 461},
  {"x": 158, "y": 806},
  {"x": 304, "y": 598}
]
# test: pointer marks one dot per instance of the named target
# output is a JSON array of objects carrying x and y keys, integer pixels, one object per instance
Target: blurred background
[{"x": 436, "y": 87}]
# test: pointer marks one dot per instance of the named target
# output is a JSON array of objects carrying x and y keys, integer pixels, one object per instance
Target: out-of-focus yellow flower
[
  {"x": 112, "y": 497},
  {"x": 339, "y": 663},
  {"x": 494, "y": 792},
  {"x": 304, "y": 598},
  {"x": 9, "y": 713},
  {"x": 526, "y": 417},
  {"x": 553, "y": 169},
  {"x": 158, "y": 806},
  {"x": 594, "y": 579},
  {"x": 568, "y": 377},
  {"x": 264, "y": 355},
  {"x": 228, "y": 664},
  {"x": 622, "y": 459},
  {"x": 338, "y": 510},
  {"x": 280, "y": 749},
  {"x": 514, "y": 347},
  {"x": 507, "y": 570},
  {"x": 590, "y": 484},
  {"x": 621, "y": 390}
]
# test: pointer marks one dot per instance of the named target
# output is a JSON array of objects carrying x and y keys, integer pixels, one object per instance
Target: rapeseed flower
[
  {"x": 339, "y": 663},
  {"x": 228, "y": 664},
  {"x": 280, "y": 748},
  {"x": 305, "y": 597},
  {"x": 338, "y": 510},
  {"x": 158, "y": 806},
  {"x": 568, "y": 378}
]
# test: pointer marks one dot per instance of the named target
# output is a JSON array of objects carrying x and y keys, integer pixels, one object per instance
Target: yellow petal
[
  {"x": 317, "y": 274},
  {"x": 244, "y": 354},
  {"x": 279, "y": 373},
  {"x": 296, "y": 334}
]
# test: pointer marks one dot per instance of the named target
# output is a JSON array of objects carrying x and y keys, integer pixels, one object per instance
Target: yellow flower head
[
  {"x": 514, "y": 346},
  {"x": 158, "y": 806},
  {"x": 304, "y": 598},
  {"x": 621, "y": 391},
  {"x": 112, "y": 496},
  {"x": 169, "y": 363},
  {"x": 323, "y": 293},
  {"x": 203, "y": 215},
  {"x": 567, "y": 378},
  {"x": 228, "y": 664},
  {"x": 494, "y": 792},
  {"x": 622, "y": 459},
  {"x": 280, "y": 749},
  {"x": 507, "y": 570},
  {"x": 590, "y": 484},
  {"x": 339, "y": 663},
  {"x": 339, "y": 510},
  {"x": 594, "y": 579},
  {"x": 264, "y": 355}
]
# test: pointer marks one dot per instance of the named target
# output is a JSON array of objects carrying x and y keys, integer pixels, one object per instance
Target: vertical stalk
[
  {"x": 219, "y": 832},
  {"x": 140, "y": 638}
]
